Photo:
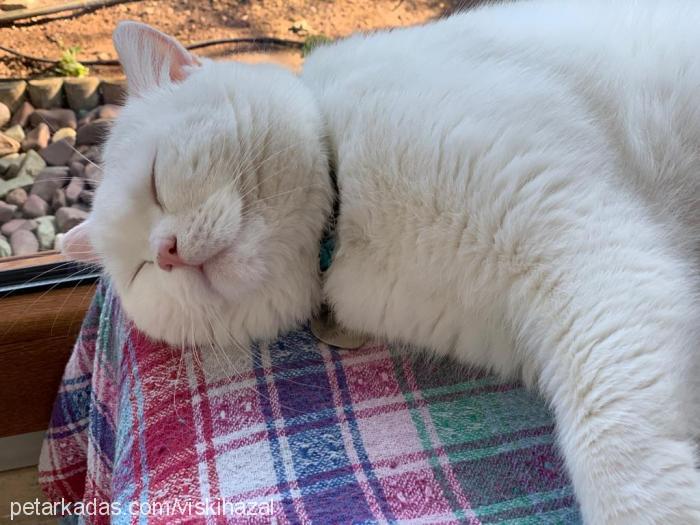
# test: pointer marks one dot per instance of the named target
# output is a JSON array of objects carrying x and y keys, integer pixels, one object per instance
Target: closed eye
[{"x": 154, "y": 188}]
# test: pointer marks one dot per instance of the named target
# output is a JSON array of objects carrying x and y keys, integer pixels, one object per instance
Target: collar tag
[{"x": 326, "y": 329}]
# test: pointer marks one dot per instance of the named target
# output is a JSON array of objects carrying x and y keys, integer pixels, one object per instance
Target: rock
[
  {"x": 301, "y": 28},
  {"x": 46, "y": 231},
  {"x": 12, "y": 93},
  {"x": 14, "y": 5},
  {"x": 67, "y": 218},
  {"x": 92, "y": 175},
  {"x": 7, "y": 212},
  {"x": 73, "y": 190},
  {"x": 64, "y": 133},
  {"x": 55, "y": 118},
  {"x": 5, "y": 248},
  {"x": 58, "y": 199},
  {"x": 16, "y": 132},
  {"x": 106, "y": 111},
  {"x": 93, "y": 154},
  {"x": 58, "y": 153},
  {"x": 86, "y": 197},
  {"x": 38, "y": 138},
  {"x": 31, "y": 165},
  {"x": 114, "y": 91},
  {"x": 12, "y": 226},
  {"x": 77, "y": 169},
  {"x": 93, "y": 133},
  {"x": 5, "y": 115},
  {"x": 49, "y": 180},
  {"x": 8, "y": 145},
  {"x": 82, "y": 93},
  {"x": 24, "y": 242},
  {"x": 21, "y": 116},
  {"x": 16, "y": 182},
  {"x": 9, "y": 165},
  {"x": 46, "y": 92},
  {"x": 87, "y": 154},
  {"x": 78, "y": 156},
  {"x": 35, "y": 207},
  {"x": 16, "y": 197}
]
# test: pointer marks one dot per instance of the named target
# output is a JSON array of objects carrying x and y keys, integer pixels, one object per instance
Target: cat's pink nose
[{"x": 168, "y": 257}]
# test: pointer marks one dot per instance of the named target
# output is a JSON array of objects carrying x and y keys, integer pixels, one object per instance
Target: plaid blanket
[{"x": 300, "y": 432}]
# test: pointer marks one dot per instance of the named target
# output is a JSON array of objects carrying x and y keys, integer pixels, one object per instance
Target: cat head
[{"x": 213, "y": 196}]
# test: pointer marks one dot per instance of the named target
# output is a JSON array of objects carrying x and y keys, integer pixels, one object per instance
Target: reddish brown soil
[{"x": 196, "y": 20}]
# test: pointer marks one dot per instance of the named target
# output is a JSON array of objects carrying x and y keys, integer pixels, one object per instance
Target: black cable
[{"x": 263, "y": 41}]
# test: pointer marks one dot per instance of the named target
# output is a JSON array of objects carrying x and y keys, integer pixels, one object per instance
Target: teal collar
[{"x": 327, "y": 246}]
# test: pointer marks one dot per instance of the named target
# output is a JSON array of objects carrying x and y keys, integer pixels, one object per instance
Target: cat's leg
[
  {"x": 603, "y": 312},
  {"x": 609, "y": 325}
]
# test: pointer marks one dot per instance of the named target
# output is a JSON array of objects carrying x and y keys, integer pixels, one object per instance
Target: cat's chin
[{"x": 212, "y": 307}]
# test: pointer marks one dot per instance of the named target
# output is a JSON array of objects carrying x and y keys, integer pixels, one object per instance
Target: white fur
[
  {"x": 243, "y": 179},
  {"x": 519, "y": 188}
]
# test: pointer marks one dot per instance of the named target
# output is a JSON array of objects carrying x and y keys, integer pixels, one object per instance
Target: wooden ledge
[{"x": 37, "y": 333}]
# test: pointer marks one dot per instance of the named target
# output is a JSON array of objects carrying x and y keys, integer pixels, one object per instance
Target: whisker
[{"x": 75, "y": 150}]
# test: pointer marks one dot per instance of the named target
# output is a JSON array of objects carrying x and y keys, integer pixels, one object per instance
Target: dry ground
[{"x": 196, "y": 20}]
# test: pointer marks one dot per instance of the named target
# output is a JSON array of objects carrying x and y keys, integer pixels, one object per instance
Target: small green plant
[
  {"x": 311, "y": 42},
  {"x": 68, "y": 64}
]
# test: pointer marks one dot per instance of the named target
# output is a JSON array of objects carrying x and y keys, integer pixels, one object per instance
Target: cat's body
[{"x": 518, "y": 188}]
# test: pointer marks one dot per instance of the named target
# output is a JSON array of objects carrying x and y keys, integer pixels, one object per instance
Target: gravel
[
  {"x": 16, "y": 132},
  {"x": 5, "y": 114},
  {"x": 49, "y": 180},
  {"x": 17, "y": 197},
  {"x": 47, "y": 175},
  {"x": 5, "y": 248},
  {"x": 74, "y": 189},
  {"x": 8, "y": 145},
  {"x": 38, "y": 138},
  {"x": 54, "y": 118},
  {"x": 7, "y": 212},
  {"x": 35, "y": 207},
  {"x": 58, "y": 153},
  {"x": 24, "y": 242},
  {"x": 67, "y": 218}
]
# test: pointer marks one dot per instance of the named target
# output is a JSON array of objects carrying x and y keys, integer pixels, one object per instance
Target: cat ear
[
  {"x": 150, "y": 58},
  {"x": 76, "y": 244}
]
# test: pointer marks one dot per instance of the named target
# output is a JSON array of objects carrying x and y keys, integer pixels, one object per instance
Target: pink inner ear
[
  {"x": 180, "y": 58},
  {"x": 76, "y": 244},
  {"x": 181, "y": 61},
  {"x": 149, "y": 57}
]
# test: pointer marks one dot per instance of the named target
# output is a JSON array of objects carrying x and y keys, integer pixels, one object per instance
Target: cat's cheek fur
[{"x": 242, "y": 269}]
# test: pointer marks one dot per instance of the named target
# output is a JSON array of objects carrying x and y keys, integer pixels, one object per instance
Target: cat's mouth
[
  {"x": 138, "y": 270},
  {"x": 197, "y": 272}
]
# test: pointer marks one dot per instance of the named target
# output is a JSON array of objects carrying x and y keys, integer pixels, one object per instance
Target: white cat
[
  {"x": 519, "y": 188},
  {"x": 215, "y": 192}
]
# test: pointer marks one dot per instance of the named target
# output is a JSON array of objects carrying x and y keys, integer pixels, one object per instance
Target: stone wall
[{"x": 51, "y": 133}]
